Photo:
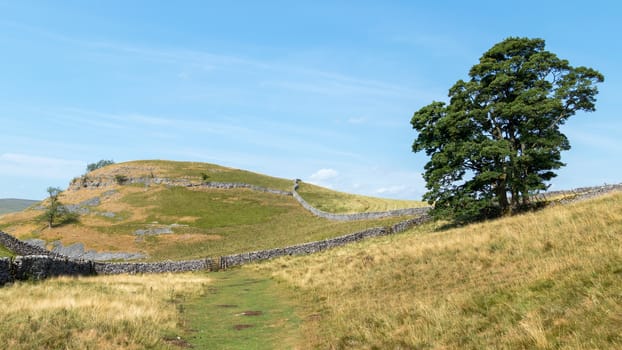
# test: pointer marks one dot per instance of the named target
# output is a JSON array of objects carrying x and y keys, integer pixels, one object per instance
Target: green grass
[
  {"x": 340, "y": 202},
  {"x": 241, "y": 310},
  {"x": 212, "y": 209},
  {"x": 5, "y": 252},
  {"x": 244, "y": 220}
]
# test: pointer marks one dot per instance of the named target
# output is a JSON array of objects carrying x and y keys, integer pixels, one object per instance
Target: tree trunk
[{"x": 502, "y": 197}]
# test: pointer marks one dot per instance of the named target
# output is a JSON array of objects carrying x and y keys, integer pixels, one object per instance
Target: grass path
[{"x": 241, "y": 310}]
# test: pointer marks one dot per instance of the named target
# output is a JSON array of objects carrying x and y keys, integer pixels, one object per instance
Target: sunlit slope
[
  {"x": 550, "y": 279},
  {"x": 178, "y": 222},
  {"x": 339, "y": 202}
]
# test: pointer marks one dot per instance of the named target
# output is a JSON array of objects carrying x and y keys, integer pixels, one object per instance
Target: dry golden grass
[
  {"x": 551, "y": 279},
  {"x": 105, "y": 312}
]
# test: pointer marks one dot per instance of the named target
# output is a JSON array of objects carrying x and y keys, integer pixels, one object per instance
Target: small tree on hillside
[
  {"x": 55, "y": 209},
  {"x": 498, "y": 140}
]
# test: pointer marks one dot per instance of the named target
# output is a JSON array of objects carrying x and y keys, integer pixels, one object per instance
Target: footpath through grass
[{"x": 241, "y": 310}]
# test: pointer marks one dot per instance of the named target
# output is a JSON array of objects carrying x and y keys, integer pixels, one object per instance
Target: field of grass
[
  {"x": 231, "y": 310},
  {"x": 542, "y": 280},
  {"x": 550, "y": 279},
  {"x": 232, "y": 221},
  {"x": 340, "y": 202},
  {"x": 209, "y": 222},
  {"x": 106, "y": 312},
  {"x": 206, "y": 222}
]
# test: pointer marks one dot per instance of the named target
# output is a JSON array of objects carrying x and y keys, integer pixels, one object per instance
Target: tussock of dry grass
[
  {"x": 551, "y": 279},
  {"x": 105, "y": 312}
]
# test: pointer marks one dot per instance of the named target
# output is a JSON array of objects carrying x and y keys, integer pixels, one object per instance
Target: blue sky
[{"x": 318, "y": 90}]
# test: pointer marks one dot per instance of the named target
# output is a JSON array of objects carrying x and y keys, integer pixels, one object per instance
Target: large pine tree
[{"x": 498, "y": 140}]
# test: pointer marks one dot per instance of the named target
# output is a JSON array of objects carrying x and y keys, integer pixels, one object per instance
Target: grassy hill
[
  {"x": 543, "y": 280},
  {"x": 10, "y": 205},
  {"x": 549, "y": 279},
  {"x": 193, "y": 222}
]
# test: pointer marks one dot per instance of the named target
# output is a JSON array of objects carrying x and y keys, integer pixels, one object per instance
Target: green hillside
[
  {"x": 545, "y": 280},
  {"x": 10, "y": 205},
  {"x": 164, "y": 221}
]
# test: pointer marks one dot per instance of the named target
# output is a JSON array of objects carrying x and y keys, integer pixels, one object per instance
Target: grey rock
[
  {"x": 90, "y": 202},
  {"x": 76, "y": 251},
  {"x": 154, "y": 231},
  {"x": 73, "y": 250},
  {"x": 77, "y": 209},
  {"x": 37, "y": 242},
  {"x": 107, "y": 256}
]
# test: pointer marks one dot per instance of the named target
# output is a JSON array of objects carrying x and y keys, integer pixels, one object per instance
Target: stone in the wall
[
  {"x": 155, "y": 267},
  {"x": 5, "y": 271}
]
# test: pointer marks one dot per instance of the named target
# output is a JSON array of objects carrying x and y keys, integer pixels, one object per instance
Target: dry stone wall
[
  {"x": 313, "y": 247},
  {"x": 5, "y": 271},
  {"x": 576, "y": 194},
  {"x": 22, "y": 248},
  {"x": 37, "y": 267},
  {"x": 110, "y": 181},
  {"x": 42, "y": 266},
  {"x": 104, "y": 268}
]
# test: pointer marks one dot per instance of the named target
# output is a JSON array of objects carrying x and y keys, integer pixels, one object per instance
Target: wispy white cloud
[
  {"x": 391, "y": 190},
  {"x": 324, "y": 175},
  {"x": 371, "y": 181},
  {"x": 289, "y": 75}
]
